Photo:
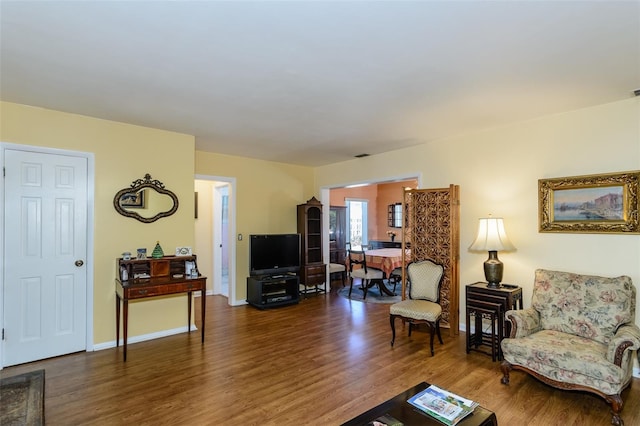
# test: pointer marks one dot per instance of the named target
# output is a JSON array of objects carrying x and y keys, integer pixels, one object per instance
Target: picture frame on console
[{"x": 599, "y": 203}]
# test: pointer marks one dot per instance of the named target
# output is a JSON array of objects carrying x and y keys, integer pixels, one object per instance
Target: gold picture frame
[{"x": 603, "y": 203}]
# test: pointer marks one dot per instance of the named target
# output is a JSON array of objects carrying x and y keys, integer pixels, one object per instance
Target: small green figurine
[{"x": 157, "y": 251}]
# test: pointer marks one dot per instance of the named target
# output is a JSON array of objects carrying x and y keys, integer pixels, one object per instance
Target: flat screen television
[{"x": 274, "y": 254}]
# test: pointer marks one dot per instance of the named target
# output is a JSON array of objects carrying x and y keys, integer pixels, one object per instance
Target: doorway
[
  {"x": 215, "y": 244},
  {"x": 46, "y": 300},
  {"x": 378, "y": 193},
  {"x": 220, "y": 210}
]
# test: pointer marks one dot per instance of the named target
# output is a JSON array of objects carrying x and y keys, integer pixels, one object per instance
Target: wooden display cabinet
[
  {"x": 313, "y": 272},
  {"x": 338, "y": 234}
]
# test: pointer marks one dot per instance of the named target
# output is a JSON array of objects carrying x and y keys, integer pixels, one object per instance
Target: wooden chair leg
[
  {"x": 431, "y": 334},
  {"x": 438, "y": 331},
  {"x": 350, "y": 287},
  {"x": 395, "y": 283},
  {"x": 392, "y": 319},
  {"x": 616, "y": 408}
]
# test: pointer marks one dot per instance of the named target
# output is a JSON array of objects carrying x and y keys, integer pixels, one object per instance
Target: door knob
[{"x": 79, "y": 263}]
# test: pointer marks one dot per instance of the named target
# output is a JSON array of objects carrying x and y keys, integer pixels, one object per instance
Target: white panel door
[{"x": 45, "y": 253}]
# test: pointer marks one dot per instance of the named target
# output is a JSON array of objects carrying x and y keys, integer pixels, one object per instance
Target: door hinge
[{"x": 3, "y": 334}]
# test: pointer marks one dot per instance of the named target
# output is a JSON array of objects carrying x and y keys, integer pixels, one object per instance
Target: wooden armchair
[
  {"x": 425, "y": 278},
  {"x": 579, "y": 334}
]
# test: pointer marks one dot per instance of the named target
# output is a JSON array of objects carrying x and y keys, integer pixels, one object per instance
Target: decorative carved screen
[{"x": 432, "y": 231}]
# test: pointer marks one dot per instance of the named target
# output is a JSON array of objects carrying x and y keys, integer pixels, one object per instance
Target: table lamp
[{"x": 492, "y": 238}]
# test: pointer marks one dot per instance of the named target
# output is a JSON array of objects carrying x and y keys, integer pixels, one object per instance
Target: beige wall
[
  {"x": 498, "y": 172},
  {"x": 203, "y": 245},
  {"x": 267, "y": 194},
  {"x": 122, "y": 153}
]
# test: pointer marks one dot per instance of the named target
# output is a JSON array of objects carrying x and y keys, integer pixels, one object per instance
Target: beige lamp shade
[{"x": 491, "y": 236}]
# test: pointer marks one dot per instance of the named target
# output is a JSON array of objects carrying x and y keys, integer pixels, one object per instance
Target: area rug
[
  {"x": 373, "y": 294},
  {"x": 22, "y": 399}
]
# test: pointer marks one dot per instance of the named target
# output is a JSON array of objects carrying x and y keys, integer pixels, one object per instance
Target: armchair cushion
[
  {"x": 417, "y": 309},
  {"x": 583, "y": 305},
  {"x": 567, "y": 358}
]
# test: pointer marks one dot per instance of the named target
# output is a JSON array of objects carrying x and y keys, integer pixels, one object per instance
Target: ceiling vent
[{"x": 361, "y": 155}]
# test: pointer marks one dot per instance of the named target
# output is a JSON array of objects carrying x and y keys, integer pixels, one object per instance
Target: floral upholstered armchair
[{"x": 579, "y": 334}]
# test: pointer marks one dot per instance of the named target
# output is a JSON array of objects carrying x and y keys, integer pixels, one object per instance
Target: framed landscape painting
[{"x": 606, "y": 203}]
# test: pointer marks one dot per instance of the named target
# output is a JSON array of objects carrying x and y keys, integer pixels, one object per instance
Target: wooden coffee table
[{"x": 401, "y": 410}]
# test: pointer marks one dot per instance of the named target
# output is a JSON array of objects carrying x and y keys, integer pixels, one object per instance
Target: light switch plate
[{"x": 183, "y": 251}]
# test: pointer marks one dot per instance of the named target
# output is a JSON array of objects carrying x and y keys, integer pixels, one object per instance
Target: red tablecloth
[{"x": 386, "y": 259}]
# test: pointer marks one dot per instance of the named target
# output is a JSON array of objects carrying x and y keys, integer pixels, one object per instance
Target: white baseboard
[{"x": 143, "y": 337}]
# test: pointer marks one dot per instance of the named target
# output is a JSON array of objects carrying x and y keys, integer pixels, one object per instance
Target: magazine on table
[{"x": 444, "y": 406}]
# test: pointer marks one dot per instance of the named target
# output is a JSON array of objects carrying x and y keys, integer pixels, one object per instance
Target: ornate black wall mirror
[
  {"x": 394, "y": 215},
  {"x": 146, "y": 200}
]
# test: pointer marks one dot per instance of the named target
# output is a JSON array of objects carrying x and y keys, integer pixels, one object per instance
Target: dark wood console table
[{"x": 144, "y": 278}]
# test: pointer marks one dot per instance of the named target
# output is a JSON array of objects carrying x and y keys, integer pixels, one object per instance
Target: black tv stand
[
  {"x": 273, "y": 291},
  {"x": 273, "y": 277}
]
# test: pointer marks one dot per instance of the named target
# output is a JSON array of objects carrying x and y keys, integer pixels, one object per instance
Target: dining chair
[
  {"x": 367, "y": 275},
  {"x": 395, "y": 277},
  {"x": 422, "y": 306},
  {"x": 338, "y": 268},
  {"x": 335, "y": 268}
]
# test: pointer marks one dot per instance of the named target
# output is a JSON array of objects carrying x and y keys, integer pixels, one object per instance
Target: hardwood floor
[{"x": 322, "y": 361}]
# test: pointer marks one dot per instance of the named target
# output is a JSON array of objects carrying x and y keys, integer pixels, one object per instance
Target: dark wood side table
[
  {"x": 401, "y": 410},
  {"x": 492, "y": 304},
  {"x": 160, "y": 286}
]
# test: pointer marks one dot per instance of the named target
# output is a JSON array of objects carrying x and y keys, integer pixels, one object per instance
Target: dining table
[{"x": 385, "y": 259}]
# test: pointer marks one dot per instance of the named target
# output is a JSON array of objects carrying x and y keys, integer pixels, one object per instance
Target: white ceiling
[{"x": 317, "y": 82}]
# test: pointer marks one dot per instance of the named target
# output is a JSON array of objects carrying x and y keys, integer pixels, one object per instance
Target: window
[{"x": 357, "y": 217}]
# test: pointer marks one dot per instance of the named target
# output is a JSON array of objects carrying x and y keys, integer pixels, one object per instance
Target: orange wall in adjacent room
[{"x": 379, "y": 196}]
